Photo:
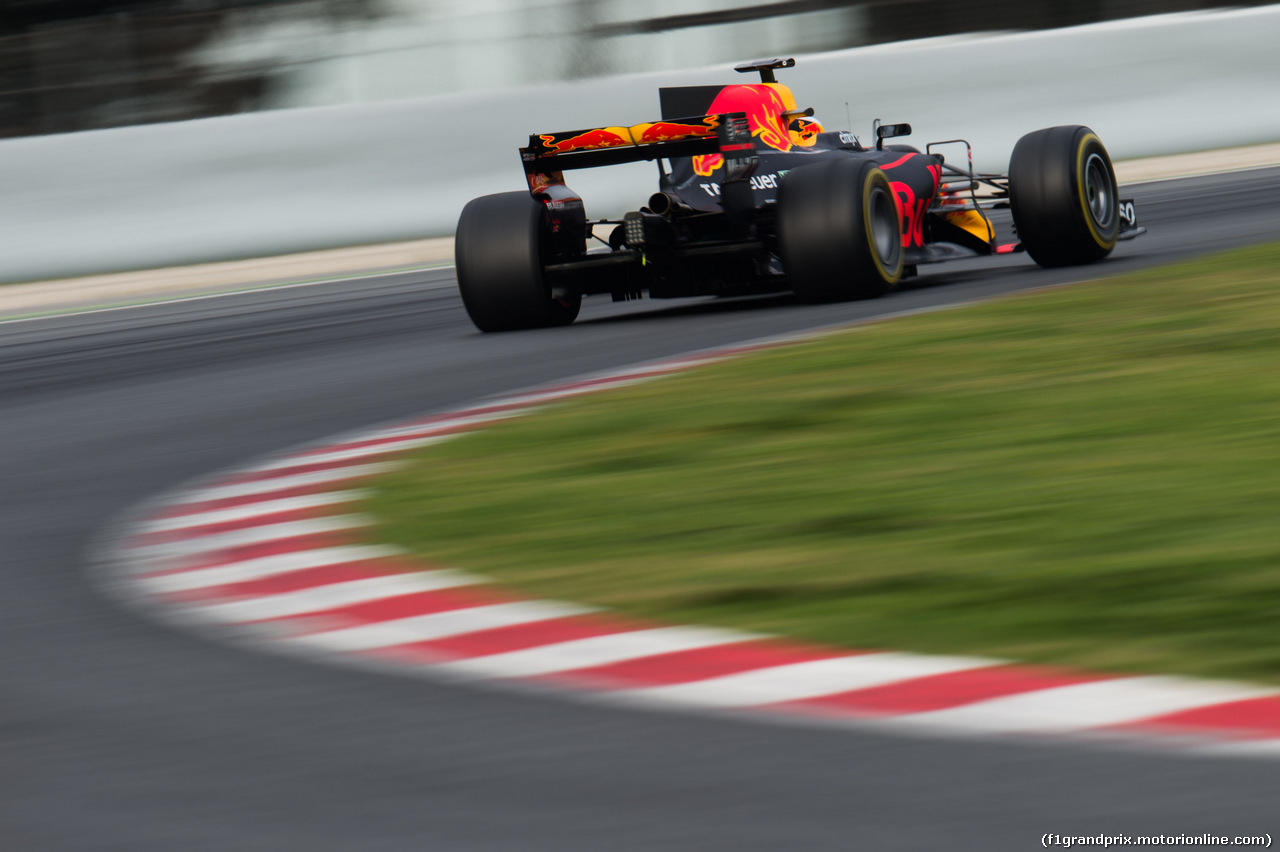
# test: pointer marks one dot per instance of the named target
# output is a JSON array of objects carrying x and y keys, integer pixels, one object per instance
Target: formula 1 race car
[{"x": 757, "y": 197}]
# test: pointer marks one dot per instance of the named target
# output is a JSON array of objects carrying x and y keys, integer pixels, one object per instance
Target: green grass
[{"x": 1086, "y": 476}]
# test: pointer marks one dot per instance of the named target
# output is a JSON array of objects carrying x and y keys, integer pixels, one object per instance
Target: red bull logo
[
  {"x": 587, "y": 140},
  {"x": 666, "y": 131},
  {"x": 539, "y": 181},
  {"x": 706, "y": 164},
  {"x": 639, "y": 134},
  {"x": 764, "y": 108}
]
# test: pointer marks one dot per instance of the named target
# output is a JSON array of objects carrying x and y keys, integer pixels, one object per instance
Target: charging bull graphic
[
  {"x": 587, "y": 140},
  {"x": 648, "y": 133},
  {"x": 765, "y": 107},
  {"x": 666, "y": 131}
]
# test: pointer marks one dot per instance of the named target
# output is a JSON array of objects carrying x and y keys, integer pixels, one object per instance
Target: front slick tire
[
  {"x": 1063, "y": 193},
  {"x": 498, "y": 250},
  {"x": 838, "y": 231}
]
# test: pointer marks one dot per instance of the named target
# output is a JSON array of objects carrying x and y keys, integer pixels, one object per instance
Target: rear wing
[{"x": 727, "y": 134}]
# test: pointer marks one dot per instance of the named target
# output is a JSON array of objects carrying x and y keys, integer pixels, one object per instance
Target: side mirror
[{"x": 890, "y": 131}]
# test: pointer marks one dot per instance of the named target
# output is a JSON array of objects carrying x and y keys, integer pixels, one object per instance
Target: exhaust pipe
[{"x": 666, "y": 204}]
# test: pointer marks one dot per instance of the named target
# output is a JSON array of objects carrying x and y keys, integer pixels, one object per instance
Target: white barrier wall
[{"x": 293, "y": 180}]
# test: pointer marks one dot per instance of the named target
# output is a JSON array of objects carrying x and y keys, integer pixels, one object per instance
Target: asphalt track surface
[{"x": 118, "y": 733}]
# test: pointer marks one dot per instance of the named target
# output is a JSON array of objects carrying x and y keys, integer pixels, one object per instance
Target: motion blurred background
[{"x": 69, "y": 65}]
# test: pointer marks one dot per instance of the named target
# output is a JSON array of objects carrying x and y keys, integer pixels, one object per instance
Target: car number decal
[{"x": 1128, "y": 213}]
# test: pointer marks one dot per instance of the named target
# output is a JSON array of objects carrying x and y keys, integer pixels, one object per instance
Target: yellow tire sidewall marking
[
  {"x": 1083, "y": 193},
  {"x": 888, "y": 275}
]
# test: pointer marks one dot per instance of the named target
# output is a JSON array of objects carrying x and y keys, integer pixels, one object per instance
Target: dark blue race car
[{"x": 755, "y": 196}]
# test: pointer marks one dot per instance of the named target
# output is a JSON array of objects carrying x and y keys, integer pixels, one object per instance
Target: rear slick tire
[
  {"x": 498, "y": 251},
  {"x": 1062, "y": 189},
  {"x": 839, "y": 234}
]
